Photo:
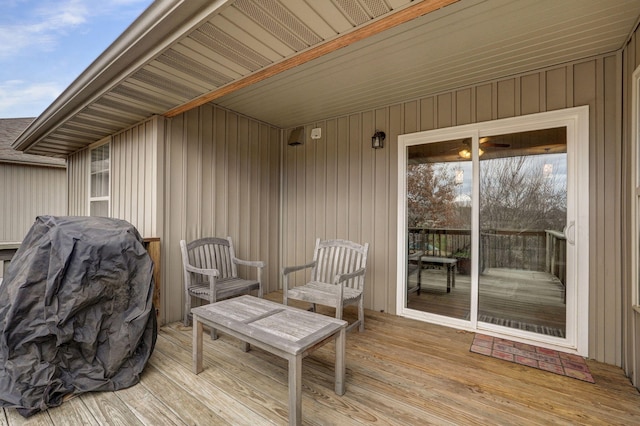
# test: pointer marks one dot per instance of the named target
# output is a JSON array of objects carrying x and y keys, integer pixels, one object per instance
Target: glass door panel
[
  {"x": 523, "y": 212},
  {"x": 438, "y": 181}
]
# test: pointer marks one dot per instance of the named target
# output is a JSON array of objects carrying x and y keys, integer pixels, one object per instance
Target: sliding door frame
[{"x": 576, "y": 121}]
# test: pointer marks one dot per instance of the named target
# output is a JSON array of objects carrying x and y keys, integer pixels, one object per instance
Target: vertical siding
[
  {"x": 222, "y": 178},
  {"x": 78, "y": 167},
  {"x": 630, "y": 318},
  {"x": 339, "y": 187},
  {"x": 135, "y": 166},
  {"x": 27, "y": 192}
]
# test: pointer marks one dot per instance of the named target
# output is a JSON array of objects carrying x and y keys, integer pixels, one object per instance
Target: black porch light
[{"x": 377, "y": 140}]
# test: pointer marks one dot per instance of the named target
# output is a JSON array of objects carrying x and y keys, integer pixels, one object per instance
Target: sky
[{"x": 46, "y": 44}]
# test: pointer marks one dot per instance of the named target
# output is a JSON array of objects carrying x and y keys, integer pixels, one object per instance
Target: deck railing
[{"x": 541, "y": 250}]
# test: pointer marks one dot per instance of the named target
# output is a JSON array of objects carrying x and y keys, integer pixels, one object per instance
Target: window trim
[{"x": 107, "y": 198}]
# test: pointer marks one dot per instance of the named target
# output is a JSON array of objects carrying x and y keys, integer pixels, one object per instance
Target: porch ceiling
[{"x": 290, "y": 62}]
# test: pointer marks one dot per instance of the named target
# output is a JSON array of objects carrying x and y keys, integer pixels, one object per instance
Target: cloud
[
  {"x": 40, "y": 26},
  {"x": 45, "y": 44},
  {"x": 19, "y": 98}
]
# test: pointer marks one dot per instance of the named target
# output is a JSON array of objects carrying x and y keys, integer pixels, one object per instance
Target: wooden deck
[
  {"x": 399, "y": 372},
  {"x": 527, "y": 296}
]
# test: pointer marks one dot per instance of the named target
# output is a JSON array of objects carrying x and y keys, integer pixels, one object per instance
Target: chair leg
[
  {"x": 361, "y": 315},
  {"x": 187, "y": 310}
]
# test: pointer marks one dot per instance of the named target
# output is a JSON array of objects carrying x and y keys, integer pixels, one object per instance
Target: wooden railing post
[{"x": 153, "y": 248}]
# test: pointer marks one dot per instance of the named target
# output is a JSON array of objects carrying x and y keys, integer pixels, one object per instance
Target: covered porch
[{"x": 399, "y": 371}]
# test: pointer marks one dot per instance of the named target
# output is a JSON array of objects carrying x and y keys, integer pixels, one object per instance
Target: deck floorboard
[{"x": 399, "y": 372}]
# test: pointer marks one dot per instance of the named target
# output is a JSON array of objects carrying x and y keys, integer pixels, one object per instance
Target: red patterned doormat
[{"x": 533, "y": 356}]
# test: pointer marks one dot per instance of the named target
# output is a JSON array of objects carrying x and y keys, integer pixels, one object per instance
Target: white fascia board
[{"x": 156, "y": 29}]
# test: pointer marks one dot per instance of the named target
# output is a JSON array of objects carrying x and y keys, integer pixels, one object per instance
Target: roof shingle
[{"x": 10, "y": 129}]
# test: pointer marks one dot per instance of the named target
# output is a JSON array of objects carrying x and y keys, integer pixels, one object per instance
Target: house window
[{"x": 99, "y": 181}]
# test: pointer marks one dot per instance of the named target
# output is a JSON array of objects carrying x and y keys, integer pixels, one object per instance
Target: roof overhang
[{"x": 290, "y": 62}]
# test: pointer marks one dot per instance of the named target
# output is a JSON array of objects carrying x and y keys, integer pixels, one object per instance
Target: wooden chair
[
  {"x": 337, "y": 278},
  {"x": 211, "y": 273}
]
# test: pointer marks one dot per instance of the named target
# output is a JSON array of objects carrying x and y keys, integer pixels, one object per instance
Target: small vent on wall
[{"x": 296, "y": 137}]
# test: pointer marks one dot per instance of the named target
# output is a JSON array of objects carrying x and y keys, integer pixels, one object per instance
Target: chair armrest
[
  {"x": 254, "y": 263},
  {"x": 289, "y": 269},
  {"x": 212, "y": 272},
  {"x": 345, "y": 277}
]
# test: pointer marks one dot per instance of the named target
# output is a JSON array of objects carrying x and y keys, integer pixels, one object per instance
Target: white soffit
[
  {"x": 462, "y": 44},
  {"x": 225, "y": 41}
]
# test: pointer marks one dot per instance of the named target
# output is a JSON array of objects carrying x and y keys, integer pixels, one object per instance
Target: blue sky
[{"x": 46, "y": 44}]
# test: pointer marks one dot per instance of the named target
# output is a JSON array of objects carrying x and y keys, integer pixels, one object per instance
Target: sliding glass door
[
  {"x": 439, "y": 185},
  {"x": 490, "y": 215},
  {"x": 523, "y": 212}
]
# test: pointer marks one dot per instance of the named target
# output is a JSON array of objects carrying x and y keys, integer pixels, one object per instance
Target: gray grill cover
[{"x": 76, "y": 312}]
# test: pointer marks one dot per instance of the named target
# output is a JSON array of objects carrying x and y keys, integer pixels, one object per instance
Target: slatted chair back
[
  {"x": 335, "y": 257},
  {"x": 337, "y": 277},
  {"x": 213, "y": 253}
]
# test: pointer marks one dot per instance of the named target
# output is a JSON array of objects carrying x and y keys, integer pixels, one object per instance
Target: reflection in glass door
[
  {"x": 438, "y": 221},
  {"x": 523, "y": 212},
  {"x": 521, "y": 272},
  {"x": 493, "y": 221}
]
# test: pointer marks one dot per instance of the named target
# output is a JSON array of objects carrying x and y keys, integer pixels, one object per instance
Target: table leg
[
  {"x": 448, "y": 279},
  {"x": 197, "y": 345},
  {"x": 453, "y": 275},
  {"x": 295, "y": 390},
  {"x": 340, "y": 364}
]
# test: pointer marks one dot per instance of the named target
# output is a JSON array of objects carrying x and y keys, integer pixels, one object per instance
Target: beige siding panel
[
  {"x": 397, "y": 126},
  {"x": 410, "y": 120},
  {"x": 343, "y": 178},
  {"x": 331, "y": 187},
  {"x": 530, "y": 97},
  {"x": 27, "y": 192},
  {"x": 484, "y": 102},
  {"x": 175, "y": 219},
  {"x": 611, "y": 140},
  {"x": 365, "y": 192},
  {"x": 135, "y": 176},
  {"x": 631, "y": 345},
  {"x": 556, "y": 89},
  {"x": 78, "y": 183},
  {"x": 444, "y": 111},
  {"x": 630, "y": 317},
  {"x": 366, "y": 234},
  {"x": 222, "y": 179},
  {"x": 427, "y": 114},
  {"x": 463, "y": 107},
  {"x": 506, "y": 101},
  {"x": 355, "y": 202}
]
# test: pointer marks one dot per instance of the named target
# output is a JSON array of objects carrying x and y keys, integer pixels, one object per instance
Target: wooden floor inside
[
  {"x": 399, "y": 372},
  {"x": 530, "y": 297}
]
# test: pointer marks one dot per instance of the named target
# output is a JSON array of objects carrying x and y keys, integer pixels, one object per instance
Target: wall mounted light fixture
[
  {"x": 377, "y": 140},
  {"x": 296, "y": 137}
]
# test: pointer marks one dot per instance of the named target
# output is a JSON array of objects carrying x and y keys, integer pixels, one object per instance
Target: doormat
[{"x": 533, "y": 356}]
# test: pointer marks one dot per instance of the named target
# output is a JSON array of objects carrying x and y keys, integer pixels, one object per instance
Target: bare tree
[
  {"x": 431, "y": 192},
  {"x": 517, "y": 194}
]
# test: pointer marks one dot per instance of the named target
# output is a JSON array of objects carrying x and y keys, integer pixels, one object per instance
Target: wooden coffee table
[{"x": 288, "y": 332}]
